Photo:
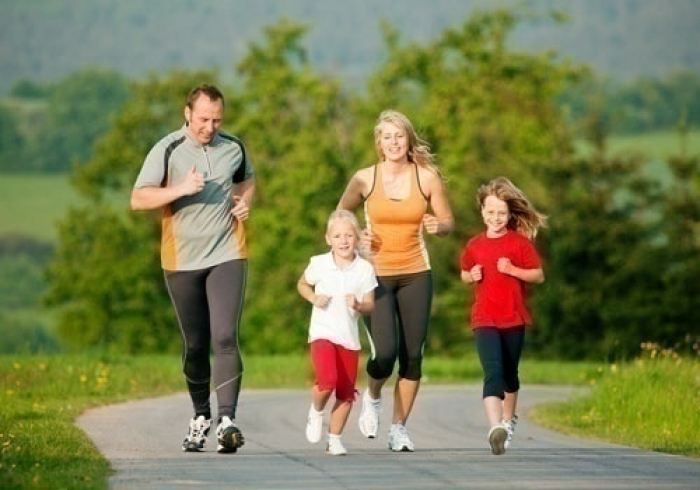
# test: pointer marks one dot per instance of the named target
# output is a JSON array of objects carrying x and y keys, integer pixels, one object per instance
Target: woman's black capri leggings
[{"x": 398, "y": 325}]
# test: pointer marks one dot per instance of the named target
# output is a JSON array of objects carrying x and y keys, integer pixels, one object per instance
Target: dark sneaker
[{"x": 229, "y": 436}]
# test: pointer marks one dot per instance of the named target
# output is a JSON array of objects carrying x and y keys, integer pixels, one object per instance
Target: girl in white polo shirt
[{"x": 340, "y": 286}]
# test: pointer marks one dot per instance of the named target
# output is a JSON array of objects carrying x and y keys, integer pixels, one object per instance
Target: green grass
[
  {"x": 651, "y": 403},
  {"x": 30, "y": 205},
  {"x": 41, "y": 397},
  {"x": 658, "y": 145}
]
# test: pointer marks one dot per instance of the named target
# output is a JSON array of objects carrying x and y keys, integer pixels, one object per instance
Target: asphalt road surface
[{"x": 141, "y": 439}]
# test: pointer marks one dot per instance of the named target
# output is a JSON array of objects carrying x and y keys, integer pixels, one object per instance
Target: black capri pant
[
  {"x": 398, "y": 325},
  {"x": 499, "y": 352}
]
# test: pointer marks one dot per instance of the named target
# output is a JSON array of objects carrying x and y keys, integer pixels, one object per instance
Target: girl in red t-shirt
[{"x": 499, "y": 262}]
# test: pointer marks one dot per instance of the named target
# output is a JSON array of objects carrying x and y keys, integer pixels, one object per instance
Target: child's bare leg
[
  {"x": 319, "y": 398},
  {"x": 510, "y": 405},
  {"x": 339, "y": 416},
  {"x": 494, "y": 410}
]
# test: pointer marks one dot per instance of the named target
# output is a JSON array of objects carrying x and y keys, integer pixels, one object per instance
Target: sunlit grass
[
  {"x": 650, "y": 403},
  {"x": 40, "y": 447}
]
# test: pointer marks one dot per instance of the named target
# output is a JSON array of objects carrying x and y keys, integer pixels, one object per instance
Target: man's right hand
[{"x": 193, "y": 183}]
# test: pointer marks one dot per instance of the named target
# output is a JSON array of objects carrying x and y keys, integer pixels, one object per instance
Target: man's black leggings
[
  {"x": 398, "y": 325},
  {"x": 499, "y": 352},
  {"x": 208, "y": 304}
]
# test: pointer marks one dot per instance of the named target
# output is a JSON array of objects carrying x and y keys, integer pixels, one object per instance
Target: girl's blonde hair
[
  {"x": 524, "y": 218},
  {"x": 418, "y": 149},
  {"x": 343, "y": 214}
]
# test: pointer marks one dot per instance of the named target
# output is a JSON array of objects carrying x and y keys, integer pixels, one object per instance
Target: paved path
[{"x": 142, "y": 441}]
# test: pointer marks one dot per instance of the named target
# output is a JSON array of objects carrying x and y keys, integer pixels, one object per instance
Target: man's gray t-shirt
[{"x": 198, "y": 231}]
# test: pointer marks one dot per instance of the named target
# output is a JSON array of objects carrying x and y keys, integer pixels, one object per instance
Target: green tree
[
  {"x": 28, "y": 89},
  {"x": 645, "y": 104},
  {"x": 679, "y": 267},
  {"x": 79, "y": 112},
  {"x": 22, "y": 261},
  {"x": 600, "y": 286},
  {"x": 294, "y": 123},
  {"x": 487, "y": 110},
  {"x": 11, "y": 142}
]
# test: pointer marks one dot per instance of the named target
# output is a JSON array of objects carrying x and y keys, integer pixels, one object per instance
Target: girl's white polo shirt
[{"x": 337, "y": 322}]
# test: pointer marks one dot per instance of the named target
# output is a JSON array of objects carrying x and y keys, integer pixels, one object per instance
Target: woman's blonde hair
[
  {"x": 418, "y": 149},
  {"x": 524, "y": 218}
]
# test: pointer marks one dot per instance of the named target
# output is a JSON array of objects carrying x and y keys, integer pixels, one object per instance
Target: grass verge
[{"x": 650, "y": 403}]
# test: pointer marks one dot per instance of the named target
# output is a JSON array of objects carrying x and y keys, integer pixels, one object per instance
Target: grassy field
[
  {"x": 31, "y": 204},
  {"x": 658, "y": 145},
  {"x": 651, "y": 403},
  {"x": 40, "y": 447}
]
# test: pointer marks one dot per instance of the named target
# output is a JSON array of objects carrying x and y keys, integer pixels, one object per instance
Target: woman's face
[
  {"x": 496, "y": 215},
  {"x": 393, "y": 142}
]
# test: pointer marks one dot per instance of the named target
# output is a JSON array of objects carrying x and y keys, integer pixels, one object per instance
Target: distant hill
[{"x": 44, "y": 40}]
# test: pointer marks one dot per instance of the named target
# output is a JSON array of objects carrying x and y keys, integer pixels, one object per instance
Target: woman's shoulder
[
  {"x": 428, "y": 176},
  {"x": 365, "y": 174},
  {"x": 363, "y": 179}
]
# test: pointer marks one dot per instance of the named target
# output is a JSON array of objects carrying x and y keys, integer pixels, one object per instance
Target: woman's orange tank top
[{"x": 397, "y": 225}]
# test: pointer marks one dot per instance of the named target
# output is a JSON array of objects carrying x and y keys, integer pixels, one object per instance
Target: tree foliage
[
  {"x": 293, "y": 122},
  {"x": 642, "y": 105},
  {"x": 621, "y": 256},
  {"x": 486, "y": 110},
  {"x": 79, "y": 111},
  {"x": 596, "y": 250},
  {"x": 51, "y": 128},
  {"x": 22, "y": 261}
]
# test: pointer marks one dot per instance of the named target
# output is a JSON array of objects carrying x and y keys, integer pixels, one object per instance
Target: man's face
[{"x": 204, "y": 118}]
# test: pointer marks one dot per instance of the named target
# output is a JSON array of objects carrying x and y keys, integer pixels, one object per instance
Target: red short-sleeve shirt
[{"x": 499, "y": 299}]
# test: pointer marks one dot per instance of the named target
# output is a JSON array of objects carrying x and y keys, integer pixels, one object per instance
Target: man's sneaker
[
  {"x": 335, "y": 446},
  {"x": 229, "y": 436},
  {"x": 399, "y": 440},
  {"x": 510, "y": 427},
  {"x": 369, "y": 416},
  {"x": 314, "y": 425},
  {"x": 497, "y": 439},
  {"x": 196, "y": 437}
]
